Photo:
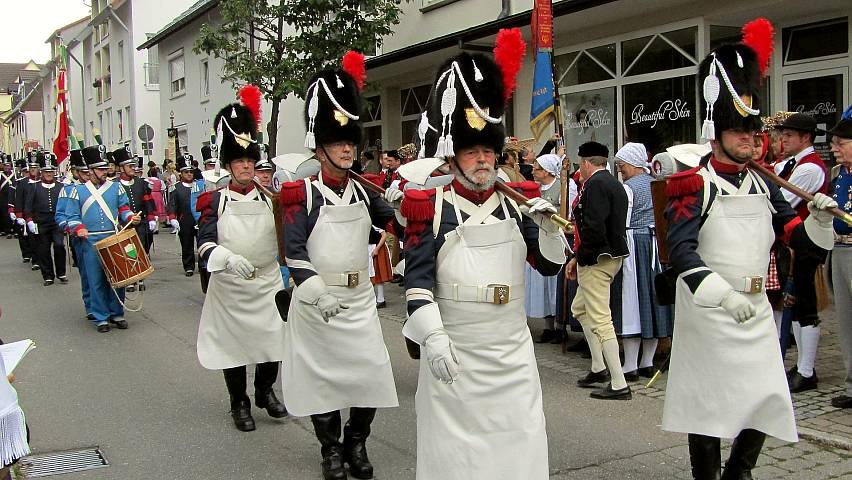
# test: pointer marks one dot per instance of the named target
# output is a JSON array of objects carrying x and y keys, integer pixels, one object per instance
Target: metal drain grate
[{"x": 58, "y": 463}]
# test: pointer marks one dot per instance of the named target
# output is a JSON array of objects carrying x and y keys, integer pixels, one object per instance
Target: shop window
[
  {"x": 660, "y": 52},
  {"x": 589, "y": 116},
  {"x": 414, "y": 100},
  {"x": 815, "y": 40},
  {"x": 586, "y": 66},
  {"x": 661, "y": 113},
  {"x": 372, "y": 109}
]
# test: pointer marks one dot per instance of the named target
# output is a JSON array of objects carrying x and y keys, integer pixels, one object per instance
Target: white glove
[
  {"x": 13, "y": 216},
  {"x": 31, "y": 226},
  {"x": 819, "y": 209},
  {"x": 152, "y": 225},
  {"x": 440, "y": 356},
  {"x": 21, "y": 221},
  {"x": 329, "y": 306},
  {"x": 537, "y": 205},
  {"x": 393, "y": 195},
  {"x": 175, "y": 225},
  {"x": 239, "y": 265},
  {"x": 738, "y": 306}
]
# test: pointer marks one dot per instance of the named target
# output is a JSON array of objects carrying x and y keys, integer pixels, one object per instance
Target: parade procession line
[{"x": 141, "y": 396}]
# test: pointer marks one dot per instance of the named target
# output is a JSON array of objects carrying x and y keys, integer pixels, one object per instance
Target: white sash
[{"x": 97, "y": 197}]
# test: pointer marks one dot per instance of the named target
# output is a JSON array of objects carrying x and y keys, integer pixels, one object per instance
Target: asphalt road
[{"x": 141, "y": 395}]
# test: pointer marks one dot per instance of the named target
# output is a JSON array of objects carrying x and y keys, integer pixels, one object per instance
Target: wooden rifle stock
[{"x": 807, "y": 197}]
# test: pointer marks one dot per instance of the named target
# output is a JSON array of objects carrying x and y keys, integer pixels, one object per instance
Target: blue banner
[{"x": 542, "y": 105}]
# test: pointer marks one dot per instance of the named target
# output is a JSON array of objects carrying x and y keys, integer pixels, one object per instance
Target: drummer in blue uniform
[{"x": 97, "y": 210}]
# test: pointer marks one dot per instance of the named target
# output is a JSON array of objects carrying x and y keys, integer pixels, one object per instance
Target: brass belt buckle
[
  {"x": 501, "y": 294},
  {"x": 352, "y": 279},
  {"x": 755, "y": 284}
]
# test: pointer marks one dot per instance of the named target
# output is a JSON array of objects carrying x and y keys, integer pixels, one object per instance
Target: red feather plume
[
  {"x": 509, "y": 51},
  {"x": 250, "y": 97},
  {"x": 758, "y": 35},
  {"x": 353, "y": 64}
]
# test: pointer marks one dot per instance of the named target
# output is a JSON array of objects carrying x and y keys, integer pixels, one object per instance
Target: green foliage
[{"x": 279, "y": 44}]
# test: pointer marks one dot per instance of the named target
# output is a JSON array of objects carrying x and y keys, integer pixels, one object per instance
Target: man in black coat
[
  {"x": 7, "y": 177},
  {"x": 39, "y": 211},
  {"x": 181, "y": 211},
  {"x": 600, "y": 245}
]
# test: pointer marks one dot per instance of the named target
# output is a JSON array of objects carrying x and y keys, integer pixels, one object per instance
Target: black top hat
[
  {"x": 21, "y": 163},
  {"x": 207, "y": 155},
  {"x": 799, "y": 121},
  {"x": 123, "y": 155},
  {"x": 47, "y": 161},
  {"x": 32, "y": 158},
  {"x": 332, "y": 109},
  {"x": 95, "y": 156},
  {"x": 844, "y": 126},
  {"x": 184, "y": 162},
  {"x": 77, "y": 160},
  {"x": 263, "y": 163},
  {"x": 593, "y": 149}
]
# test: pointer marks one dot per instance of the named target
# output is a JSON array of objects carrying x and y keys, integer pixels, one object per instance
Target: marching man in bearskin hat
[
  {"x": 240, "y": 324},
  {"x": 39, "y": 210},
  {"x": 727, "y": 376},
  {"x": 96, "y": 210},
  {"x": 336, "y": 356},
  {"x": 182, "y": 214},
  {"x": 479, "y": 401}
]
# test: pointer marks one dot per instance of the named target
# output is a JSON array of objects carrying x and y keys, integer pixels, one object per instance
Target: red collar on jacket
[
  {"x": 476, "y": 197},
  {"x": 235, "y": 187},
  {"x": 726, "y": 167}
]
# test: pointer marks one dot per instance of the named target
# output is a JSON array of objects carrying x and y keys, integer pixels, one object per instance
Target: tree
[{"x": 278, "y": 44}]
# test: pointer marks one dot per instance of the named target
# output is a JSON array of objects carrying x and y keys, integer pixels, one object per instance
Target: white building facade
[
  {"x": 121, "y": 86},
  {"x": 620, "y": 64}
]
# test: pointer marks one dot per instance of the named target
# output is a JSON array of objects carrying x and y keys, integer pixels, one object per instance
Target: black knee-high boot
[
  {"x": 355, "y": 435},
  {"x": 744, "y": 452},
  {"x": 235, "y": 380},
  {"x": 265, "y": 375},
  {"x": 705, "y": 457},
  {"x": 327, "y": 430}
]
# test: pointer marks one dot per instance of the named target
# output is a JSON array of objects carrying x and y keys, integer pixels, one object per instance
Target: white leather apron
[
  {"x": 726, "y": 376},
  {"x": 489, "y": 424},
  {"x": 240, "y": 324},
  {"x": 343, "y": 363}
]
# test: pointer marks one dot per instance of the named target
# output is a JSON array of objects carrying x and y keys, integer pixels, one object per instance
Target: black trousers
[
  {"x": 143, "y": 233},
  {"x": 50, "y": 236},
  {"x": 187, "y": 247},
  {"x": 805, "y": 264},
  {"x": 25, "y": 242},
  {"x": 265, "y": 375},
  {"x": 5, "y": 224}
]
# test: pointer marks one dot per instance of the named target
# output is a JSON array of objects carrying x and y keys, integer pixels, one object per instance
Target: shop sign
[
  {"x": 596, "y": 118},
  {"x": 671, "y": 110},
  {"x": 822, "y": 108}
]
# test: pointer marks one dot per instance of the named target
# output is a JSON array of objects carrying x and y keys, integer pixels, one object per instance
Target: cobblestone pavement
[{"x": 825, "y": 449}]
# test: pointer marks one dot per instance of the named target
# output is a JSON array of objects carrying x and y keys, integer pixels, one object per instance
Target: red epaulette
[
  {"x": 203, "y": 201},
  {"x": 292, "y": 193},
  {"x": 529, "y": 188},
  {"x": 417, "y": 205},
  {"x": 684, "y": 183}
]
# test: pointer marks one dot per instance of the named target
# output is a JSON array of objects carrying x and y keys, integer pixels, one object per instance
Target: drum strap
[{"x": 99, "y": 199}]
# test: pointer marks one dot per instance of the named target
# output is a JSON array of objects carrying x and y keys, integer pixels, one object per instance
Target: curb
[{"x": 826, "y": 439}]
